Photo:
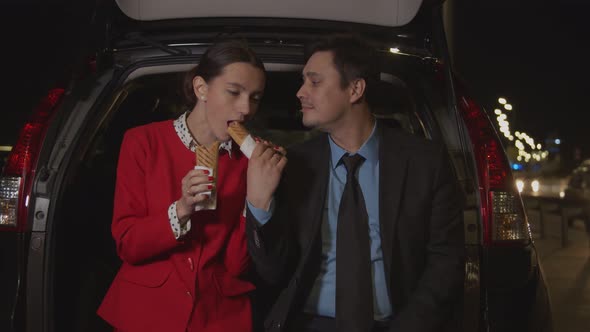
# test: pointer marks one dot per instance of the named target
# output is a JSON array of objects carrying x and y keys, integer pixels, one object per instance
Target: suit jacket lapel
[
  {"x": 392, "y": 175},
  {"x": 315, "y": 189}
]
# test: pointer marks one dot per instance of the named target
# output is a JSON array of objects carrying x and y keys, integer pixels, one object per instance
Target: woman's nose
[{"x": 245, "y": 107}]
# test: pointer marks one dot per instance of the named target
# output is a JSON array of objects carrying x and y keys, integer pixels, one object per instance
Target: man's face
[{"x": 323, "y": 101}]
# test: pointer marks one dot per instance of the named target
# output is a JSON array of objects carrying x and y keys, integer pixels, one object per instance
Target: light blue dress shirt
[{"x": 322, "y": 299}]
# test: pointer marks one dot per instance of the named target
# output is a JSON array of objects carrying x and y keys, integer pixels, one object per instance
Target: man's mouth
[{"x": 305, "y": 108}]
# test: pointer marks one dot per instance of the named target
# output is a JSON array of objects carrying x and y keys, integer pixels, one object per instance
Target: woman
[{"x": 182, "y": 270}]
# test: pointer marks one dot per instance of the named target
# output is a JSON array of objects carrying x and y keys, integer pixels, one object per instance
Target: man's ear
[
  {"x": 200, "y": 88},
  {"x": 357, "y": 90}
]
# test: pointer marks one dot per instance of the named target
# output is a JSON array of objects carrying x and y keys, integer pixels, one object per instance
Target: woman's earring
[{"x": 203, "y": 98}]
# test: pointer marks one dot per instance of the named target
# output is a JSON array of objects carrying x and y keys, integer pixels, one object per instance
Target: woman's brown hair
[{"x": 214, "y": 60}]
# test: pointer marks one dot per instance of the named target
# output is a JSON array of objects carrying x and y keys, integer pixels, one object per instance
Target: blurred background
[{"x": 525, "y": 61}]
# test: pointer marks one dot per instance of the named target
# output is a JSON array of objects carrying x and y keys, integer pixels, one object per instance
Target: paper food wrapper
[
  {"x": 242, "y": 137},
  {"x": 206, "y": 159}
]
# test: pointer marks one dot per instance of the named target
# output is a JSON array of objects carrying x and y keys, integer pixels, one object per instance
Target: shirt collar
[
  {"x": 369, "y": 150},
  {"x": 187, "y": 139}
]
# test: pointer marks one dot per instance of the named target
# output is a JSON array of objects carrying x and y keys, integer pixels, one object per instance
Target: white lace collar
[{"x": 187, "y": 139}]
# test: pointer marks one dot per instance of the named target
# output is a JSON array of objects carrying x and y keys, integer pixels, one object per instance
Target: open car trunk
[{"x": 84, "y": 251}]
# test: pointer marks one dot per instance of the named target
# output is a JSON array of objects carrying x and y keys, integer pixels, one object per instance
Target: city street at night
[{"x": 567, "y": 271}]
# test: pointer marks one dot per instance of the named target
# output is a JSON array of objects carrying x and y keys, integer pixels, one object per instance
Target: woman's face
[{"x": 234, "y": 95}]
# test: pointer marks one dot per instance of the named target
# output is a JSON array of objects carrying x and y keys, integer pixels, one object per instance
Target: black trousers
[{"x": 312, "y": 323}]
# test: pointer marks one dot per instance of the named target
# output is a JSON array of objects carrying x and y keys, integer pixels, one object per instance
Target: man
[{"x": 365, "y": 230}]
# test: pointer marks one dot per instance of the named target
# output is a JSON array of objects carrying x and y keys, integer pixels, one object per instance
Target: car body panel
[
  {"x": 377, "y": 12},
  {"x": 13, "y": 253}
]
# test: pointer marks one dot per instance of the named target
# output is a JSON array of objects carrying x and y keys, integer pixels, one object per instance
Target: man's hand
[{"x": 264, "y": 173}]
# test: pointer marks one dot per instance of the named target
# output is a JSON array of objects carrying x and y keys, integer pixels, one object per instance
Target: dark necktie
[{"x": 354, "y": 290}]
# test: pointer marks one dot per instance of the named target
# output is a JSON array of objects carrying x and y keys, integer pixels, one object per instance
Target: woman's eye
[{"x": 233, "y": 93}]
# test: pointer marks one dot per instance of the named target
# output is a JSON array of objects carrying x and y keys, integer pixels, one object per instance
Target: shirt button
[{"x": 190, "y": 264}]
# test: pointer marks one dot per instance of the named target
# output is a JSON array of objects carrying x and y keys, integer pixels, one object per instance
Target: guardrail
[{"x": 566, "y": 208}]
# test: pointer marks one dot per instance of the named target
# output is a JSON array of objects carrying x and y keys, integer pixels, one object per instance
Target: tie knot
[{"x": 352, "y": 163}]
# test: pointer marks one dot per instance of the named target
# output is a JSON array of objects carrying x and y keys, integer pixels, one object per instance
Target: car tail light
[
  {"x": 504, "y": 220},
  {"x": 19, "y": 171}
]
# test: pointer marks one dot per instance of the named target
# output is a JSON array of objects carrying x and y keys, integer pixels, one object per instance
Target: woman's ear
[
  {"x": 357, "y": 90},
  {"x": 200, "y": 88}
]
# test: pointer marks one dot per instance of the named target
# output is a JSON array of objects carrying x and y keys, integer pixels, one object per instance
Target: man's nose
[{"x": 301, "y": 93}]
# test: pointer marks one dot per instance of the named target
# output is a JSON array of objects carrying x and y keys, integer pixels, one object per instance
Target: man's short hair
[{"x": 353, "y": 57}]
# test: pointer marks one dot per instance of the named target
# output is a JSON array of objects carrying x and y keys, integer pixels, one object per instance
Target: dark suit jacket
[{"x": 421, "y": 231}]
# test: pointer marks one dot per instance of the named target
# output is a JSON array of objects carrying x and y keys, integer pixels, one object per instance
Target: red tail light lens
[
  {"x": 504, "y": 221},
  {"x": 19, "y": 171}
]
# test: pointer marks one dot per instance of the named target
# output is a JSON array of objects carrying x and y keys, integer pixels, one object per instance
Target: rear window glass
[{"x": 151, "y": 98}]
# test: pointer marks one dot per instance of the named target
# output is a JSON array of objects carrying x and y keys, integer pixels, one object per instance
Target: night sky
[
  {"x": 36, "y": 45},
  {"x": 533, "y": 53}
]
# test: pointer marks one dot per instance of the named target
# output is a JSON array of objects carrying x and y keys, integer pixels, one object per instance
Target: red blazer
[{"x": 173, "y": 285}]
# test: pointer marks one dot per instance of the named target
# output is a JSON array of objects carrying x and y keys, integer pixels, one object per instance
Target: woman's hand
[
  {"x": 194, "y": 184},
  {"x": 264, "y": 173}
]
